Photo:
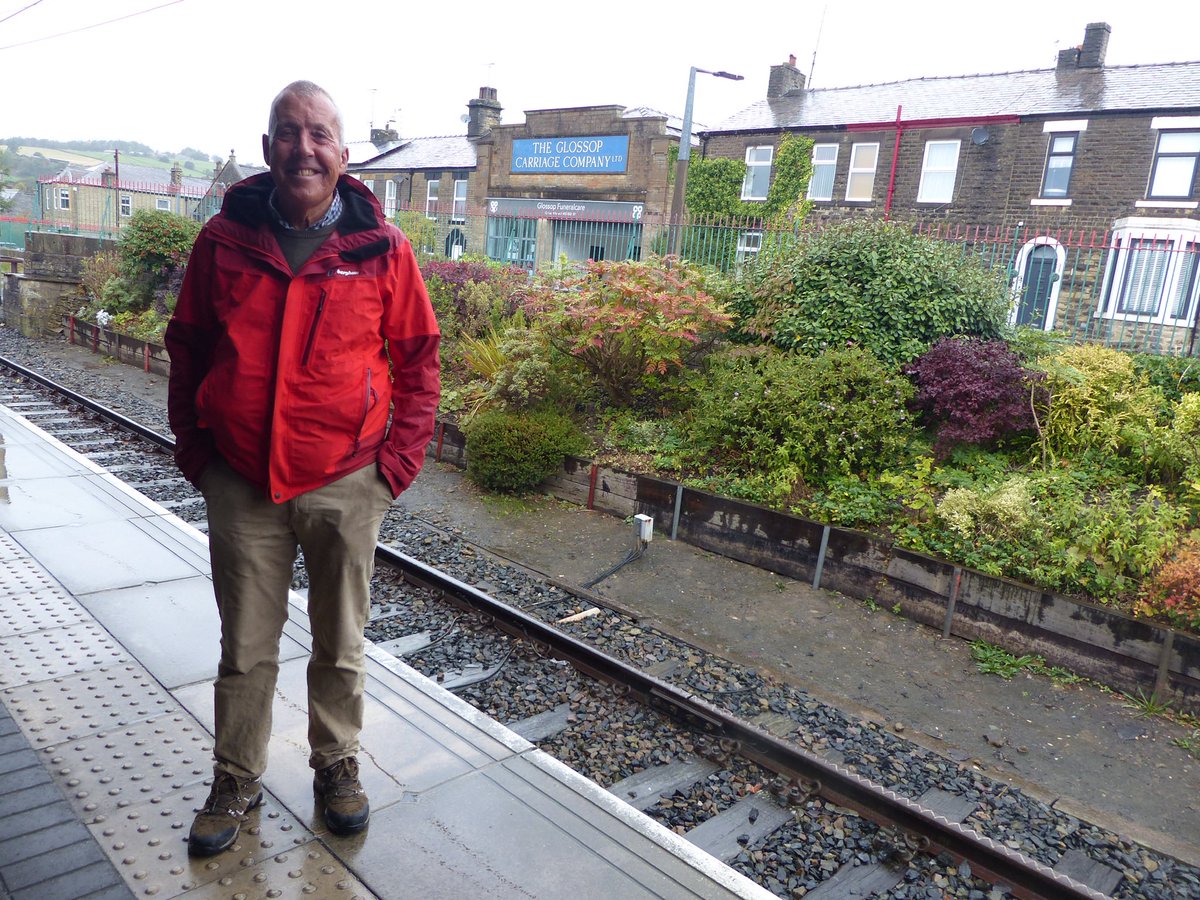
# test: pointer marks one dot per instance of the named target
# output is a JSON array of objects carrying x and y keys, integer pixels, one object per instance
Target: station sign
[
  {"x": 550, "y": 208},
  {"x": 606, "y": 154}
]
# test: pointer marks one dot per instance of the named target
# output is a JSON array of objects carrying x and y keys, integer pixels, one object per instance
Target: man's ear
[{"x": 267, "y": 149}]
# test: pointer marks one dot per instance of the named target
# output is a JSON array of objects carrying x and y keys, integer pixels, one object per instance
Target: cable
[
  {"x": 633, "y": 554},
  {"x": 86, "y": 27},
  {"x": 21, "y": 10}
]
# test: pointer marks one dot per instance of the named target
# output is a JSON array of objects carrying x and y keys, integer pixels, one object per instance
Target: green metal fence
[{"x": 1134, "y": 290}]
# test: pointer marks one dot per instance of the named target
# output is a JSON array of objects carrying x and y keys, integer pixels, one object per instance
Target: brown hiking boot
[
  {"x": 341, "y": 798},
  {"x": 216, "y": 825}
]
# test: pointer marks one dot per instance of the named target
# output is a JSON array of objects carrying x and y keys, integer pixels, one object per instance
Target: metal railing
[{"x": 1135, "y": 290}]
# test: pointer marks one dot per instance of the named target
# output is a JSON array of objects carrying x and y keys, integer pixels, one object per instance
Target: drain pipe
[{"x": 887, "y": 206}]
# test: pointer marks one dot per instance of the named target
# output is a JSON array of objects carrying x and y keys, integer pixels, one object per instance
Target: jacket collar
[{"x": 246, "y": 204}]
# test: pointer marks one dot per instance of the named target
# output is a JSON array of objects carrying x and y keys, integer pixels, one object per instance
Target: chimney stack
[
  {"x": 176, "y": 178},
  {"x": 484, "y": 113},
  {"x": 1095, "y": 45},
  {"x": 1089, "y": 54},
  {"x": 381, "y": 136},
  {"x": 785, "y": 79}
]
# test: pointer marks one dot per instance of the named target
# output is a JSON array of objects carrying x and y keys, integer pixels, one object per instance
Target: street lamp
[{"x": 685, "y": 138}]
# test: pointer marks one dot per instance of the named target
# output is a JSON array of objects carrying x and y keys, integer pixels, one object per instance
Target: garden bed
[{"x": 1128, "y": 654}]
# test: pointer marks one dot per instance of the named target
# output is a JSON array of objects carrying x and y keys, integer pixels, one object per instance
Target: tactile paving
[
  {"x": 70, "y": 708},
  {"x": 317, "y": 875},
  {"x": 30, "y": 600},
  {"x": 144, "y": 762},
  {"x": 147, "y": 843},
  {"x": 55, "y": 653}
]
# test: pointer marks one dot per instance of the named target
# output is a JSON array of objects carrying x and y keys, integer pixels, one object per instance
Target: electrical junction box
[{"x": 645, "y": 527}]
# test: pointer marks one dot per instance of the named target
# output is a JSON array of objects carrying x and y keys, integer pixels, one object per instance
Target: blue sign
[{"x": 570, "y": 155}]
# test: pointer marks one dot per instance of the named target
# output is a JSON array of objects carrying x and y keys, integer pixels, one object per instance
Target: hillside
[{"x": 27, "y": 159}]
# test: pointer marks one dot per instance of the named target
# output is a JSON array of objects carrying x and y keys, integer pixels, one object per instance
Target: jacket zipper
[
  {"x": 312, "y": 334},
  {"x": 368, "y": 401}
]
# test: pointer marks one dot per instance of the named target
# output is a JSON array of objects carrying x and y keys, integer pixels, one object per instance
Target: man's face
[{"x": 305, "y": 156}]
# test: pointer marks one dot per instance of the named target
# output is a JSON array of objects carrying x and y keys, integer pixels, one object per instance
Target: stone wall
[{"x": 49, "y": 288}]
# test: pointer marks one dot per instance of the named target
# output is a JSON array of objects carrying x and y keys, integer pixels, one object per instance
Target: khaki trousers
[{"x": 252, "y": 544}]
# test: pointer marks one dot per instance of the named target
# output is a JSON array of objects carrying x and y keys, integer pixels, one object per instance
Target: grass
[
  {"x": 991, "y": 660},
  {"x": 1146, "y": 706}
]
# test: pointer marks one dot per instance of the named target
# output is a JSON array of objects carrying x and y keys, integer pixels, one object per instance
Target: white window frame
[
  {"x": 1051, "y": 154},
  {"x": 749, "y": 245},
  {"x": 431, "y": 198},
  {"x": 389, "y": 197},
  {"x": 753, "y": 164},
  {"x": 369, "y": 184},
  {"x": 125, "y": 205},
  {"x": 64, "y": 198},
  {"x": 858, "y": 170},
  {"x": 930, "y": 173},
  {"x": 1159, "y": 156},
  {"x": 459, "y": 210},
  {"x": 1177, "y": 235},
  {"x": 162, "y": 204},
  {"x": 830, "y": 164}
]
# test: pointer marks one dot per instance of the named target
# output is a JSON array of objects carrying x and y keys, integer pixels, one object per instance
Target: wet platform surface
[{"x": 108, "y": 644}]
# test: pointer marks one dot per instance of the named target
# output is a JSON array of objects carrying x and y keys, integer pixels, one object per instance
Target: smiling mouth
[{"x": 305, "y": 172}]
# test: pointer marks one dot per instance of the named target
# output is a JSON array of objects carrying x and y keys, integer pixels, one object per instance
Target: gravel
[{"x": 609, "y": 738}]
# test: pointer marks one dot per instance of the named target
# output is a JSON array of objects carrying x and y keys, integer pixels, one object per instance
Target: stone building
[
  {"x": 576, "y": 183},
  {"x": 1056, "y": 157}
]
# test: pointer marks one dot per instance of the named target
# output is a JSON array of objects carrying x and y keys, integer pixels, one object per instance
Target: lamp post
[{"x": 685, "y": 146}]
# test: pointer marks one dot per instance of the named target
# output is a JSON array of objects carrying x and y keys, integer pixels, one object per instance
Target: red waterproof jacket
[{"x": 288, "y": 377}]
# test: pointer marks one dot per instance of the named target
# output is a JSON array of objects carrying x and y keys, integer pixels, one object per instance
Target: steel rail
[
  {"x": 808, "y": 773},
  {"x": 112, "y": 415},
  {"x": 1024, "y": 876}
]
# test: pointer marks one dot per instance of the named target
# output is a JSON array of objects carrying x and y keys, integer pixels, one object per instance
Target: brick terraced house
[{"x": 1058, "y": 160}]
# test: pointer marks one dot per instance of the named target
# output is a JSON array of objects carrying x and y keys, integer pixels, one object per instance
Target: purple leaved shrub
[{"x": 971, "y": 391}]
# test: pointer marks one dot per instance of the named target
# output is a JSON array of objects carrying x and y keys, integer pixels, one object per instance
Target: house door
[{"x": 1037, "y": 283}]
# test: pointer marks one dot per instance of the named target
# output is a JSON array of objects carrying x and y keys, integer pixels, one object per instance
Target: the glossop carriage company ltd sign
[{"x": 608, "y": 154}]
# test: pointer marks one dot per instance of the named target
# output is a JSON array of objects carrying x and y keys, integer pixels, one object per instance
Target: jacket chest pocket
[{"x": 344, "y": 322}]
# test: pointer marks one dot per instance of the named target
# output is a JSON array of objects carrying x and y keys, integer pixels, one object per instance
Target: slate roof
[
  {"x": 149, "y": 179},
  {"x": 364, "y": 151},
  {"x": 447, "y": 152},
  {"x": 1038, "y": 92}
]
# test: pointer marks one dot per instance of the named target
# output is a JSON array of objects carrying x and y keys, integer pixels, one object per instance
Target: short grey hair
[{"x": 305, "y": 89}]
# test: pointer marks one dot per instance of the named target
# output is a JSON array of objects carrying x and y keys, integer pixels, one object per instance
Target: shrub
[
  {"x": 513, "y": 453},
  {"x": 154, "y": 249},
  {"x": 98, "y": 270},
  {"x": 1174, "y": 591},
  {"x": 1096, "y": 399},
  {"x": 624, "y": 321},
  {"x": 873, "y": 284},
  {"x": 1002, "y": 513},
  {"x": 786, "y": 418},
  {"x": 1175, "y": 376},
  {"x": 972, "y": 392}
]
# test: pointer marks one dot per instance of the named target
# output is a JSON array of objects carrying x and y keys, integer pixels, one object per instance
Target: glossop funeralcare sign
[{"x": 571, "y": 154}]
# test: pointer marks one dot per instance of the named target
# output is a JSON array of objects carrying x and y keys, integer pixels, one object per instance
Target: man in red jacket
[{"x": 304, "y": 382}]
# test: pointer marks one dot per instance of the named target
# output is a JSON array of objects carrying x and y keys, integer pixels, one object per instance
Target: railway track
[{"x": 806, "y": 801}]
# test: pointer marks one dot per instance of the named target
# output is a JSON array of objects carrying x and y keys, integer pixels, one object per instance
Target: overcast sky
[{"x": 202, "y": 73}]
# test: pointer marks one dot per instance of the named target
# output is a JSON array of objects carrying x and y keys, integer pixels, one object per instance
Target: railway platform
[{"x": 108, "y": 647}]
